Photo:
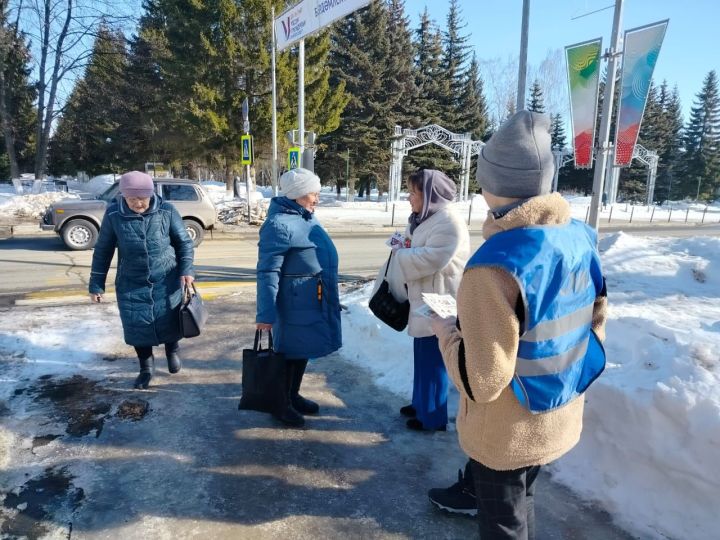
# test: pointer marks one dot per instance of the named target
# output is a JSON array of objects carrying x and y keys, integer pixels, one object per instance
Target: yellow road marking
[{"x": 202, "y": 286}]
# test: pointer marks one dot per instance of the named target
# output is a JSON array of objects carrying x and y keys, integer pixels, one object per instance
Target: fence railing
[{"x": 674, "y": 213}]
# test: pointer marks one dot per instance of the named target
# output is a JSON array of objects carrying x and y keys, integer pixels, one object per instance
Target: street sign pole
[
  {"x": 301, "y": 99},
  {"x": 303, "y": 19},
  {"x": 246, "y": 128}
]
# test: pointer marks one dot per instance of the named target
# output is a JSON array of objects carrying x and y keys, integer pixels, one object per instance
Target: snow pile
[
  {"x": 97, "y": 185},
  {"x": 652, "y": 422},
  {"x": 31, "y": 206},
  {"x": 231, "y": 210}
]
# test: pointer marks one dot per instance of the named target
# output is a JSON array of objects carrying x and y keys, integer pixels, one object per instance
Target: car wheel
[
  {"x": 80, "y": 234},
  {"x": 195, "y": 231}
]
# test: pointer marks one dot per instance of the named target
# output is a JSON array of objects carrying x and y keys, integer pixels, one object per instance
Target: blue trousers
[{"x": 430, "y": 383}]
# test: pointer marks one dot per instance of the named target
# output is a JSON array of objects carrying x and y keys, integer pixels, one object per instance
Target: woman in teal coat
[
  {"x": 297, "y": 286},
  {"x": 155, "y": 260}
]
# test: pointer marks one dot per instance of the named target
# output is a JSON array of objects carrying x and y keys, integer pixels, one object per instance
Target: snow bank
[{"x": 31, "y": 206}]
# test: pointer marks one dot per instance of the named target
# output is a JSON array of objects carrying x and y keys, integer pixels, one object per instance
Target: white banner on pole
[{"x": 309, "y": 16}]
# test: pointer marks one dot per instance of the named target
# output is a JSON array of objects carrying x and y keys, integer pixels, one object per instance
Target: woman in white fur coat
[{"x": 434, "y": 263}]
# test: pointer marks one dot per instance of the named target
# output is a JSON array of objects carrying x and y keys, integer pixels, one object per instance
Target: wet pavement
[{"x": 87, "y": 456}]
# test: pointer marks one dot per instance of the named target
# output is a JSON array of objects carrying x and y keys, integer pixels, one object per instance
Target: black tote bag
[
  {"x": 383, "y": 304},
  {"x": 263, "y": 377},
  {"x": 193, "y": 313}
]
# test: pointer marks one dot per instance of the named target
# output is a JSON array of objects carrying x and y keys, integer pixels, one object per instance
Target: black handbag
[
  {"x": 383, "y": 304},
  {"x": 193, "y": 313},
  {"x": 263, "y": 377}
]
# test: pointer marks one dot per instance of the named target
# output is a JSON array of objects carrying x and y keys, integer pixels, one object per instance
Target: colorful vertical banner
[
  {"x": 583, "y": 64},
  {"x": 641, "y": 51}
]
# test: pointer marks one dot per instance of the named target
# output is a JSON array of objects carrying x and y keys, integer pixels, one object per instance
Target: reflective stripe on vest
[{"x": 558, "y": 272}]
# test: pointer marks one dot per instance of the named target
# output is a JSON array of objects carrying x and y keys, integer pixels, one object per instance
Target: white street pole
[
  {"x": 274, "y": 109},
  {"x": 274, "y": 106},
  {"x": 301, "y": 100},
  {"x": 604, "y": 137},
  {"x": 522, "y": 68}
]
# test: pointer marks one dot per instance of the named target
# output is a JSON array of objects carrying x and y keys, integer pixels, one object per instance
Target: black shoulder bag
[
  {"x": 193, "y": 313},
  {"x": 383, "y": 304}
]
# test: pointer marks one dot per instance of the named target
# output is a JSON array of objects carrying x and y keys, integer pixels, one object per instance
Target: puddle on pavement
[
  {"x": 83, "y": 404},
  {"x": 79, "y": 401},
  {"x": 133, "y": 409},
  {"x": 38, "y": 500}
]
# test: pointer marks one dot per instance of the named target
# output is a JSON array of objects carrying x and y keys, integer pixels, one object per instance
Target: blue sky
[{"x": 689, "y": 50}]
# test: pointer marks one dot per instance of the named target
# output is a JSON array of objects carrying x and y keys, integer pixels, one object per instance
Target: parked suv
[{"x": 78, "y": 221}]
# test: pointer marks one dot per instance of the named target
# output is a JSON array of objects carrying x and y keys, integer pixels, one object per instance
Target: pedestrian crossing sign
[
  {"x": 293, "y": 157},
  {"x": 247, "y": 153}
]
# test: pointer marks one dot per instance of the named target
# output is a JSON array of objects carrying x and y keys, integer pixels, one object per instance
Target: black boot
[
  {"x": 287, "y": 413},
  {"x": 173, "y": 359},
  {"x": 147, "y": 366},
  {"x": 300, "y": 404}
]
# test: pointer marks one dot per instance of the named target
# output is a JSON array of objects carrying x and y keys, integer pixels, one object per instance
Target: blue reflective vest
[{"x": 558, "y": 271}]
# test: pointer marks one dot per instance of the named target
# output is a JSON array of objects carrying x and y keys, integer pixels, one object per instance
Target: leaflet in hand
[
  {"x": 442, "y": 305},
  {"x": 397, "y": 239}
]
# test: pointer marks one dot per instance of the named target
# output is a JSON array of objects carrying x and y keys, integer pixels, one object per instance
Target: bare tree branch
[{"x": 62, "y": 34}]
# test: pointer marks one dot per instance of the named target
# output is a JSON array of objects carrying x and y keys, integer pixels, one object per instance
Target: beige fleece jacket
[{"x": 494, "y": 428}]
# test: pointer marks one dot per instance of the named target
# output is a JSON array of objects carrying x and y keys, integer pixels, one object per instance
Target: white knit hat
[{"x": 298, "y": 182}]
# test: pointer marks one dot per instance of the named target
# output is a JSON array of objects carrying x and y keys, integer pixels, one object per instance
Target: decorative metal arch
[
  {"x": 649, "y": 158},
  {"x": 405, "y": 140}
]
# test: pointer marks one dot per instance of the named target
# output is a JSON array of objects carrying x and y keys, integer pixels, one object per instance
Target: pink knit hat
[{"x": 136, "y": 184}]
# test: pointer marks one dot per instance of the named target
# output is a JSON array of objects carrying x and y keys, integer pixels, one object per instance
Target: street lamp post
[
  {"x": 108, "y": 141},
  {"x": 522, "y": 64},
  {"x": 347, "y": 175},
  {"x": 603, "y": 152}
]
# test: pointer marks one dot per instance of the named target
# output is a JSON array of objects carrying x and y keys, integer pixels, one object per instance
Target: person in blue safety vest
[{"x": 527, "y": 341}]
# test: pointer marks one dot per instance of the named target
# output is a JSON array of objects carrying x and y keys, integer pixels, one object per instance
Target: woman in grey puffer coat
[{"x": 155, "y": 261}]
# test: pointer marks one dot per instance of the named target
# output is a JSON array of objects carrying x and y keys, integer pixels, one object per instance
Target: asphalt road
[{"x": 36, "y": 263}]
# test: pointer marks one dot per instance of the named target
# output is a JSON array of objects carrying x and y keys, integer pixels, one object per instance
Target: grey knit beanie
[{"x": 517, "y": 161}]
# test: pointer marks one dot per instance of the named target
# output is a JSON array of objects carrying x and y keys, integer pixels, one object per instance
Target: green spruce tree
[
  {"x": 433, "y": 86},
  {"x": 536, "y": 102},
  {"x": 473, "y": 105},
  {"x": 701, "y": 161},
  {"x": 557, "y": 132},
  {"x": 453, "y": 72},
  {"x": 17, "y": 96},
  {"x": 360, "y": 60},
  {"x": 669, "y": 153}
]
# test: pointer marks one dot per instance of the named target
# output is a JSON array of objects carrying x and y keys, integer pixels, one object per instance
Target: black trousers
[
  {"x": 144, "y": 353},
  {"x": 506, "y": 502}
]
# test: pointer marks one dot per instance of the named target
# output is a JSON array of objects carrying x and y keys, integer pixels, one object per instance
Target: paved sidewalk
[{"x": 91, "y": 458}]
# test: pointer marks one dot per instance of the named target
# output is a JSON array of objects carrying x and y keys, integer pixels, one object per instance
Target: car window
[
  {"x": 110, "y": 193},
  {"x": 179, "y": 192}
]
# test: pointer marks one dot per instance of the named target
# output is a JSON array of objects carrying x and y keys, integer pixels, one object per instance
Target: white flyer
[{"x": 442, "y": 305}]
